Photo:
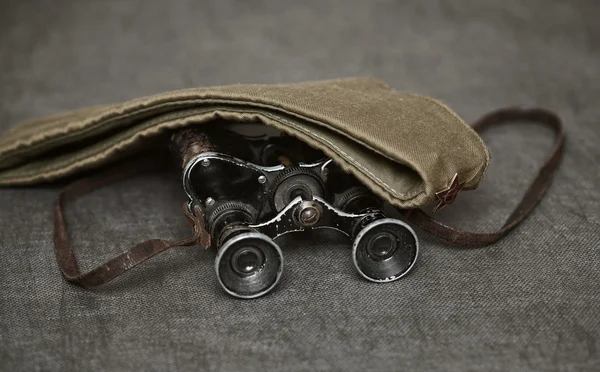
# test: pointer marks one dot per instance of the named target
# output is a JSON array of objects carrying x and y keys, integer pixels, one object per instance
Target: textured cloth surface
[{"x": 530, "y": 302}]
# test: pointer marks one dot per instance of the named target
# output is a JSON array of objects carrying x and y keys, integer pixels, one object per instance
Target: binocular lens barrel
[
  {"x": 385, "y": 250},
  {"x": 249, "y": 265}
]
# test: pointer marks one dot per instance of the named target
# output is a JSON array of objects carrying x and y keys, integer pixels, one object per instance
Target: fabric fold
[{"x": 403, "y": 146}]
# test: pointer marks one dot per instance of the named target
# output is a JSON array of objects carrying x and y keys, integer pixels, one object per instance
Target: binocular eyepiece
[
  {"x": 249, "y": 263},
  {"x": 384, "y": 250},
  {"x": 255, "y": 189}
]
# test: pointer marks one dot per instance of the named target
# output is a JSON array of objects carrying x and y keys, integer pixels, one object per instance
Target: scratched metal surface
[{"x": 530, "y": 302}]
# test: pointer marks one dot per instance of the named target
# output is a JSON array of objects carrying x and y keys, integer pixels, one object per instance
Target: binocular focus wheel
[
  {"x": 293, "y": 182},
  {"x": 357, "y": 199},
  {"x": 249, "y": 265},
  {"x": 385, "y": 250}
]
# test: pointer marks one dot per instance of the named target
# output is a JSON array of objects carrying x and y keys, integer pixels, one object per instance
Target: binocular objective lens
[{"x": 247, "y": 260}]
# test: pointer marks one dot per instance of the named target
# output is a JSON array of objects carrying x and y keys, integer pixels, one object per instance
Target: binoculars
[{"x": 253, "y": 189}]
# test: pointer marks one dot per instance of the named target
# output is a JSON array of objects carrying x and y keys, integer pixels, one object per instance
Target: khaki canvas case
[{"x": 404, "y": 147}]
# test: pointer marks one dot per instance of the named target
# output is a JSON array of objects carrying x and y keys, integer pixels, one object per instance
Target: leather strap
[
  {"x": 532, "y": 196},
  {"x": 104, "y": 273}
]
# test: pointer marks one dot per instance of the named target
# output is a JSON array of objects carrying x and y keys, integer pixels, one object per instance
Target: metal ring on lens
[
  {"x": 368, "y": 228},
  {"x": 246, "y": 236}
]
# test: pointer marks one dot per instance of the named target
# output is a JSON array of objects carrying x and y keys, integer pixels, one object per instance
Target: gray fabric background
[{"x": 530, "y": 302}]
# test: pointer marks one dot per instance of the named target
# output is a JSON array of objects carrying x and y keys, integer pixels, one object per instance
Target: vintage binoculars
[{"x": 253, "y": 189}]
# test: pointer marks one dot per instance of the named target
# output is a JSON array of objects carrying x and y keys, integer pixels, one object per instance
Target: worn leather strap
[
  {"x": 532, "y": 196},
  {"x": 65, "y": 255}
]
